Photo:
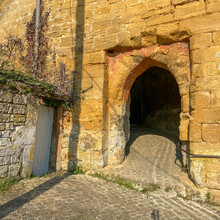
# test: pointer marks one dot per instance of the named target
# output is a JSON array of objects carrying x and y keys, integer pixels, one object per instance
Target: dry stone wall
[
  {"x": 18, "y": 118},
  {"x": 81, "y": 33}
]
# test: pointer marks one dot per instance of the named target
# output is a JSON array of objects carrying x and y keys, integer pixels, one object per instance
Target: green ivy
[{"x": 26, "y": 84}]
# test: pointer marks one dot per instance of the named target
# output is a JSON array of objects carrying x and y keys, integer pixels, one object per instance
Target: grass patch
[
  {"x": 209, "y": 200},
  {"x": 6, "y": 184},
  {"x": 184, "y": 197},
  {"x": 126, "y": 183},
  {"x": 150, "y": 188},
  {"x": 167, "y": 189},
  {"x": 115, "y": 179},
  {"x": 76, "y": 170}
]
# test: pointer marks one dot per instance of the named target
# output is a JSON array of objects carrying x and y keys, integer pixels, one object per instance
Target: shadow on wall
[{"x": 79, "y": 49}]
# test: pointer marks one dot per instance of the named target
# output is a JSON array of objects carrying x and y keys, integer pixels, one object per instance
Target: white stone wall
[{"x": 18, "y": 118}]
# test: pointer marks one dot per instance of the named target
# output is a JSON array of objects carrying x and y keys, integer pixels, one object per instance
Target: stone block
[
  {"x": 24, "y": 135},
  {"x": 205, "y": 69},
  {"x": 9, "y": 126},
  {"x": 20, "y": 99},
  {"x": 97, "y": 124},
  {"x": 206, "y": 54},
  {"x": 19, "y": 109},
  {"x": 205, "y": 116},
  {"x": 180, "y": 2},
  {"x": 197, "y": 172},
  {"x": 215, "y": 195},
  {"x": 15, "y": 158},
  {"x": 67, "y": 41},
  {"x": 94, "y": 58},
  {"x": 211, "y": 133},
  {"x": 167, "y": 33},
  {"x": 183, "y": 129},
  {"x": 6, "y": 134},
  {"x": 3, "y": 171},
  {"x": 213, "y": 6},
  {"x": 199, "y": 41},
  {"x": 158, "y": 19},
  {"x": 69, "y": 154},
  {"x": 216, "y": 38},
  {"x": 205, "y": 148},
  {"x": 189, "y": 10},
  {"x": 5, "y": 96},
  {"x": 2, "y": 126},
  {"x": 200, "y": 100},
  {"x": 213, "y": 174},
  {"x": 195, "y": 134},
  {"x": 201, "y": 24},
  {"x": 91, "y": 71},
  {"x": 4, "y": 161},
  {"x": 14, "y": 169},
  {"x": 5, "y": 142},
  {"x": 17, "y": 118},
  {"x": 124, "y": 40},
  {"x": 155, "y": 4},
  {"x": 185, "y": 103},
  {"x": 4, "y": 117},
  {"x": 27, "y": 160},
  {"x": 205, "y": 84},
  {"x": 148, "y": 37},
  {"x": 215, "y": 98},
  {"x": 6, "y": 108}
]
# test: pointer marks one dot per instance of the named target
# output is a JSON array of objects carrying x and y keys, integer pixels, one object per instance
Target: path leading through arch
[{"x": 152, "y": 157}]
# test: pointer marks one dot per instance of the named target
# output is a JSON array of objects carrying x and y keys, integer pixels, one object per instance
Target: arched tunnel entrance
[
  {"x": 149, "y": 88},
  {"x": 155, "y": 100}
]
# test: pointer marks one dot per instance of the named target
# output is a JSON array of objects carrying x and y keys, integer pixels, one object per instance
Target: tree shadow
[{"x": 19, "y": 201}]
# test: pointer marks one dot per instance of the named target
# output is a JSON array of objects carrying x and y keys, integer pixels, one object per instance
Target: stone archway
[
  {"x": 124, "y": 68},
  {"x": 155, "y": 101}
]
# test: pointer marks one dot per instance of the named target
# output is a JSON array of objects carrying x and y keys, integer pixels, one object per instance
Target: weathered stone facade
[
  {"x": 107, "y": 44},
  {"x": 18, "y": 118}
]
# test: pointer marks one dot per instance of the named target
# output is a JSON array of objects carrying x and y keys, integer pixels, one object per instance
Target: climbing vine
[
  {"x": 28, "y": 59},
  {"x": 14, "y": 54}
]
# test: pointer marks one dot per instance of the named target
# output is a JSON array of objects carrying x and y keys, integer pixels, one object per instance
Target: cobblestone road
[
  {"x": 85, "y": 197},
  {"x": 152, "y": 159}
]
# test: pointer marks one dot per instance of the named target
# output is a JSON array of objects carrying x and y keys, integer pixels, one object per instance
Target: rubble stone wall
[
  {"x": 18, "y": 118},
  {"x": 85, "y": 33}
]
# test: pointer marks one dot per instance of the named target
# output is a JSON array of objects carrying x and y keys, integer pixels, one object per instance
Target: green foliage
[
  {"x": 6, "y": 184},
  {"x": 208, "y": 197},
  {"x": 115, "y": 179},
  {"x": 150, "y": 188},
  {"x": 85, "y": 90},
  {"x": 167, "y": 189},
  {"x": 26, "y": 84},
  {"x": 184, "y": 197},
  {"x": 76, "y": 170},
  {"x": 126, "y": 183}
]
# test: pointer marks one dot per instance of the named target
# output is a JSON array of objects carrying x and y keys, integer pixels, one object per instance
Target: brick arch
[{"x": 124, "y": 68}]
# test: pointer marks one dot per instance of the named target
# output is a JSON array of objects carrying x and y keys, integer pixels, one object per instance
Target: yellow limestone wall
[{"x": 83, "y": 33}]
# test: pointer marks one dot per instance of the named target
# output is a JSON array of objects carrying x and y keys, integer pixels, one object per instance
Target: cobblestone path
[
  {"x": 87, "y": 198},
  {"x": 152, "y": 158}
]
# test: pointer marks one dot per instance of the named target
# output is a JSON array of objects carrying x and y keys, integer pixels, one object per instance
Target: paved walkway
[
  {"x": 88, "y": 198},
  {"x": 152, "y": 158}
]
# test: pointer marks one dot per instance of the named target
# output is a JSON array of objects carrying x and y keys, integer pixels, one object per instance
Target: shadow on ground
[
  {"x": 20, "y": 201},
  {"x": 137, "y": 131}
]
